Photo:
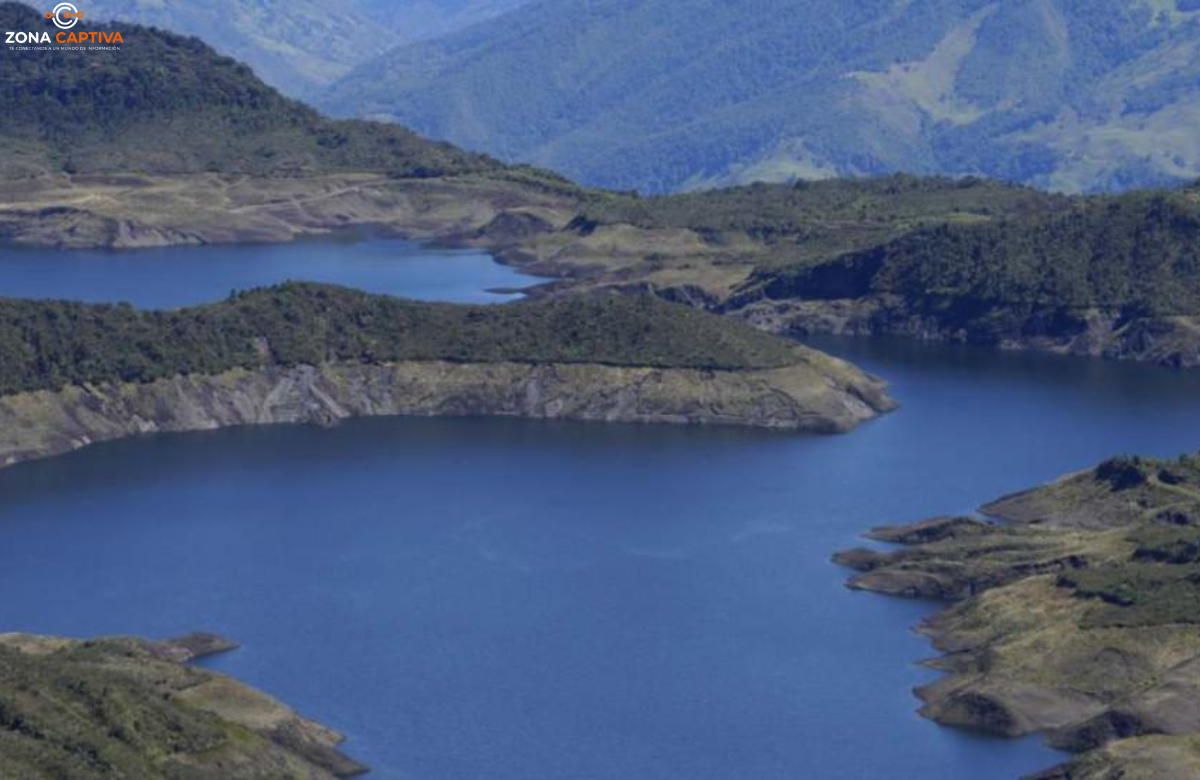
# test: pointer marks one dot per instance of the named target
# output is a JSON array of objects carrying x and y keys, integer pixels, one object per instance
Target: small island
[{"x": 1074, "y": 612}]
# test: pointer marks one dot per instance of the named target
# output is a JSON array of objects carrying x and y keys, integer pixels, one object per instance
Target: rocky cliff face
[{"x": 817, "y": 393}]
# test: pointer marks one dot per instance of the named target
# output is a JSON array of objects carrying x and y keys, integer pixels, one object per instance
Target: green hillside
[
  {"x": 51, "y": 344},
  {"x": 169, "y": 104},
  {"x": 122, "y": 708},
  {"x": 664, "y": 94},
  {"x": 1137, "y": 255}
]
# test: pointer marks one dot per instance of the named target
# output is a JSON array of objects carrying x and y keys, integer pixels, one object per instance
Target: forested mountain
[
  {"x": 1073, "y": 95},
  {"x": 169, "y": 104},
  {"x": 300, "y": 45}
]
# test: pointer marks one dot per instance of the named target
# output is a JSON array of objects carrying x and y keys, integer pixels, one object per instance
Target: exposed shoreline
[
  {"x": 798, "y": 398},
  {"x": 533, "y": 228},
  {"x": 1071, "y": 614}
]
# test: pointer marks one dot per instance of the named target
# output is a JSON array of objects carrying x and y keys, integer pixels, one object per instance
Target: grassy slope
[
  {"x": 47, "y": 345},
  {"x": 811, "y": 222},
  {"x": 1081, "y": 615},
  {"x": 118, "y": 708}
]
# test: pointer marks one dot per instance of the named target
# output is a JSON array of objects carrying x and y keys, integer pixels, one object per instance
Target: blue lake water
[
  {"x": 478, "y": 599},
  {"x": 171, "y": 277}
]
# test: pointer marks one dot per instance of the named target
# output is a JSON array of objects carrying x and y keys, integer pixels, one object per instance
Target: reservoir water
[
  {"x": 478, "y": 599},
  {"x": 166, "y": 278}
]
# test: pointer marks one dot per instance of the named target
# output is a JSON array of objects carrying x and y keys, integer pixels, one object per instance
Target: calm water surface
[
  {"x": 513, "y": 600},
  {"x": 181, "y": 276}
]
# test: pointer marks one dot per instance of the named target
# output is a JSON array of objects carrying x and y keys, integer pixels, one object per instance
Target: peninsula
[
  {"x": 75, "y": 374},
  {"x": 1074, "y": 612}
]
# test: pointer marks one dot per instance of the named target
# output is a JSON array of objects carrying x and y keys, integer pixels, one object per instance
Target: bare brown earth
[{"x": 134, "y": 210}]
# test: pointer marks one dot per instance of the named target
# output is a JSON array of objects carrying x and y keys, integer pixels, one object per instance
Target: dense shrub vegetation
[
  {"x": 50, "y": 344},
  {"x": 1160, "y": 582},
  {"x": 1138, "y": 254}
]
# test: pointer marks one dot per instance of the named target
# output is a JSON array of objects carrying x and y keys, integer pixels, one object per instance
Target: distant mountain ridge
[
  {"x": 1071, "y": 95},
  {"x": 301, "y": 45}
]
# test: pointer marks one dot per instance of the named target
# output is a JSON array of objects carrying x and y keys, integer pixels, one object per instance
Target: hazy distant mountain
[
  {"x": 301, "y": 44},
  {"x": 661, "y": 94}
]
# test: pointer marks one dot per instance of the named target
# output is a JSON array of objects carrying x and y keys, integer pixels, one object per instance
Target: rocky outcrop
[{"x": 823, "y": 396}]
